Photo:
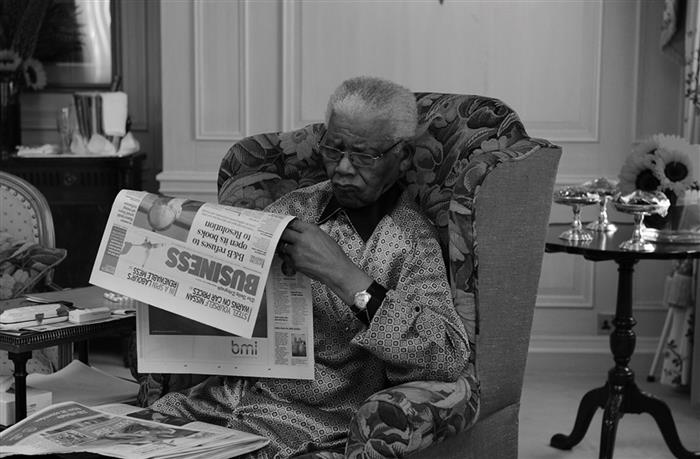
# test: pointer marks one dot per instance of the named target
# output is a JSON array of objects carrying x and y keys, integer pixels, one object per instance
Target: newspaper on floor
[
  {"x": 122, "y": 431},
  {"x": 222, "y": 303}
]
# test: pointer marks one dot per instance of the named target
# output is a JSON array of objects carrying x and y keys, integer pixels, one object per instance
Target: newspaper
[
  {"x": 222, "y": 303},
  {"x": 202, "y": 261},
  {"x": 281, "y": 345},
  {"x": 123, "y": 431}
]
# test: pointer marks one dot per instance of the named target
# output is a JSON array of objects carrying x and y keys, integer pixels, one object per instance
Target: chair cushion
[
  {"x": 24, "y": 264},
  {"x": 399, "y": 420}
]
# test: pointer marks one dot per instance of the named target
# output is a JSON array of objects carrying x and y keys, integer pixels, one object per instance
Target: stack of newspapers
[{"x": 126, "y": 431}]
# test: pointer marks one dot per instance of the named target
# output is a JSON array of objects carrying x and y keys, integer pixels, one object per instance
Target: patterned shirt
[{"x": 416, "y": 334}]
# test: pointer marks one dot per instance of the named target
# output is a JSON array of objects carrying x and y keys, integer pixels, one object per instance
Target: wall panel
[
  {"x": 221, "y": 66},
  {"x": 501, "y": 49}
]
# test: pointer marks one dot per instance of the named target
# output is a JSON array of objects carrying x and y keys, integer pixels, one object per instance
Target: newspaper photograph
[
  {"x": 123, "y": 431},
  {"x": 281, "y": 345},
  {"x": 202, "y": 261}
]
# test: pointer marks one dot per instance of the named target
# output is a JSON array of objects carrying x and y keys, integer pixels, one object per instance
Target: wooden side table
[
  {"x": 80, "y": 191},
  {"x": 620, "y": 394},
  {"x": 20, "y": 347}
]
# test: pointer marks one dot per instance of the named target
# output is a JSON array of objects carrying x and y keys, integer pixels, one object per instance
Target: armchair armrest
[{"x": 397, "y": 421}]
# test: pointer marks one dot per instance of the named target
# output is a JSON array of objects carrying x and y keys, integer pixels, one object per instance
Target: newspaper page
[
  {"x": 281, "y": 345},
  {"x": 122, "y": 431},
  {"x": 202, "y": 261}
]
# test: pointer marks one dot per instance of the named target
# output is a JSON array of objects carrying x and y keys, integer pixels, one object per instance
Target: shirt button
[{"x": 417, "y": 309}]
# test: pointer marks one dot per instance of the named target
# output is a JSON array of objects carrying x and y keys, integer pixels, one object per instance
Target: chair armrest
[{"x": 403, "y": 419}]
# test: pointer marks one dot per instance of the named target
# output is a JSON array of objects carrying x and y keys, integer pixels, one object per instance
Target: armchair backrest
[
  {"x": 25, "y": 212},
  {"x": 484, "y": 183}
]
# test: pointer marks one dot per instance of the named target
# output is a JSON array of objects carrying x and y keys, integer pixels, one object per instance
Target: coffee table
[
  {"x": 620, "y": 394},
  {"x": 20, "y": 347}
]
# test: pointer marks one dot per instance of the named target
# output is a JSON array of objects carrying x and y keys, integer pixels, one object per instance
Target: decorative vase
[
  {"x": 670, "y": 222},
  {"x": 10, "y": 125}
]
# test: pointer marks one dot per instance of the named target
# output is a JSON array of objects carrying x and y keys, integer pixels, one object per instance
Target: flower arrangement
[
  {"x": 660, "y": 163},
  {"x": 32, "y": 31}
]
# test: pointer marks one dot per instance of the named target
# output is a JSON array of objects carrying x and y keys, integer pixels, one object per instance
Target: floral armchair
[{"x": 487, "y": 187}]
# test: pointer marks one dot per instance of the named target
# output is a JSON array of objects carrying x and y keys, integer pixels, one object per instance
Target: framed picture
[{"x": 99, "y": 61}]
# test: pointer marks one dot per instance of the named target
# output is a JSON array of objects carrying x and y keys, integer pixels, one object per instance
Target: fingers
[{"x": 288, "y": 268}]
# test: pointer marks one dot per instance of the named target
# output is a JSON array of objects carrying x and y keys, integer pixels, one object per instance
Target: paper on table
[
  {"x": 114, "y": 112},
  {"x": 84, "y": 384}
]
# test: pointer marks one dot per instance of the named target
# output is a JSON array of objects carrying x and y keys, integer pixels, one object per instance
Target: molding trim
[
  {"x": 288, "y": 65},
  {"x": 571, "y": 179},
  {"x": 636, "y": 83},
  {"x": 578, "y": 298},
  {"x": 585, "y": 129},
  {"x": 585, "y": 344},
  {"x": 201, "y": 131},
  {"x": 192, "y": 184}
]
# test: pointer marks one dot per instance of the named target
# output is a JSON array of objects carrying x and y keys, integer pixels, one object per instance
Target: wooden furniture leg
[{"x": 20, "y": 373}]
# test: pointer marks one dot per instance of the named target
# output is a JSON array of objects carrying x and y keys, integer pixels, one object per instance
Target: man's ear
[{"x": 406, "y": 156}]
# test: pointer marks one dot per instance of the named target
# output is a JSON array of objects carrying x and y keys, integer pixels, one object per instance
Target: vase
[
  {"x": 10, "y": 125},
  {"x": 670, "y": 222}
]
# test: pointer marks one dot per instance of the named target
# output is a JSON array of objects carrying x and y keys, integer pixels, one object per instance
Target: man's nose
[{"x": 344, "y": 165}]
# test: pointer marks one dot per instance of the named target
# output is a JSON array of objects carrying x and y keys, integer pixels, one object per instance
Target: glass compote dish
[
  {"x": 576, "y": 197},
  {"x": 606, "y": 190},
  {"x": 640, "y": 203}
]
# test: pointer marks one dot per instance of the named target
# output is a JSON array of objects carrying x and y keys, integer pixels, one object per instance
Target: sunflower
[
  {"x": 676, "y": 175},
  {"x": 34, "y": 74},
  {"x": 659, "y": 163},
  {"x": 639, "y": 173}
]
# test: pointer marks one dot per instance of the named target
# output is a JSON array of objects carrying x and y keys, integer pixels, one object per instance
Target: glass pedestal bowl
[
  {"x": 606, "y": 190},
  {"x": 640, "y": 203},
  {"x": 576, "y": 197}
]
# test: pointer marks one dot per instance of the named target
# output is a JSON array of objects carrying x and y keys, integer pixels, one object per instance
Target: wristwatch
[
  {"x": 366, "y": 302},
  {"x": 361, "y": 299}
]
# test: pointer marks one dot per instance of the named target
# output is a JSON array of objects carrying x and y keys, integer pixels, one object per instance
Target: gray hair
[{"x": 378, "y": 98}]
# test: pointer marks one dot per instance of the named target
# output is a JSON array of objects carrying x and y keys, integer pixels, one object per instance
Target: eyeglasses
[{"x": 356, "y": 159}]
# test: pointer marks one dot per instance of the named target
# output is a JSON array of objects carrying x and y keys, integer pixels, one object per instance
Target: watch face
[{"x": 361, "y": 300}]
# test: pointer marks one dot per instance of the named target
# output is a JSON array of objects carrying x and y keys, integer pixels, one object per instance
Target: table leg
[
  {"x": 620, "y": 394},
  {"x": 20, "y": 373},
  {"x": 590, "y": 402},
  {"x": 83, "y": 349}
]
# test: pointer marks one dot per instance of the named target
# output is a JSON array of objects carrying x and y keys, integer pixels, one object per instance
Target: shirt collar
[{"x": 364, "y": 219}]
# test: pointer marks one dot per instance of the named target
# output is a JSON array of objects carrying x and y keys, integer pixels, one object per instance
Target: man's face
[{"x": 355, "y": 186}]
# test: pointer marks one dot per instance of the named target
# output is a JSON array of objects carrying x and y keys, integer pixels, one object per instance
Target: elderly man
[{"x": 383, "y": 313}]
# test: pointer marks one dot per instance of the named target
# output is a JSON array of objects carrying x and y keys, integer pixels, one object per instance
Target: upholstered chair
[
  {"x": 25, "y": 218},
  {"x": 487, "y": 186}
]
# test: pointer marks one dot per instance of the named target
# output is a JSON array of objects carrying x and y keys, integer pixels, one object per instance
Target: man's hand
[{"x": 307, "y": 248}]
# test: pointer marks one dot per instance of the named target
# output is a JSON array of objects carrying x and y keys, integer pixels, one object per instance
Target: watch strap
[{"x": 378, "y": 293}]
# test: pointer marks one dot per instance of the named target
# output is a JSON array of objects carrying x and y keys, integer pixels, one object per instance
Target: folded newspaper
[
  {"x": 203, "y": 261},
  {"x": 222, "y": 303},
  {"x": 122, "y": 431}
]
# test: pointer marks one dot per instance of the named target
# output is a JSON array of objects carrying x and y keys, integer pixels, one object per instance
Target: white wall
[{"x": 587, "y": 75}]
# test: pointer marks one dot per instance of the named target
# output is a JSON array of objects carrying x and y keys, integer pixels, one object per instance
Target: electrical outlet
[{"x": 605, "y": 325}]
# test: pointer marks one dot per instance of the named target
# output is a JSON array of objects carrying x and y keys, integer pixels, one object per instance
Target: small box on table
[{"x": 36, "y": 400}]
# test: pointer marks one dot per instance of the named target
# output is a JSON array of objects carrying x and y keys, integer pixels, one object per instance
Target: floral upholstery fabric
[
  {"x": 23, "y": 265},
  {"x": 462, "y": 138}
]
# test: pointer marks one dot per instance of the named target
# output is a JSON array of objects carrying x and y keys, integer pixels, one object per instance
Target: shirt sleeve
[{"x": 417, "y": 329}]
